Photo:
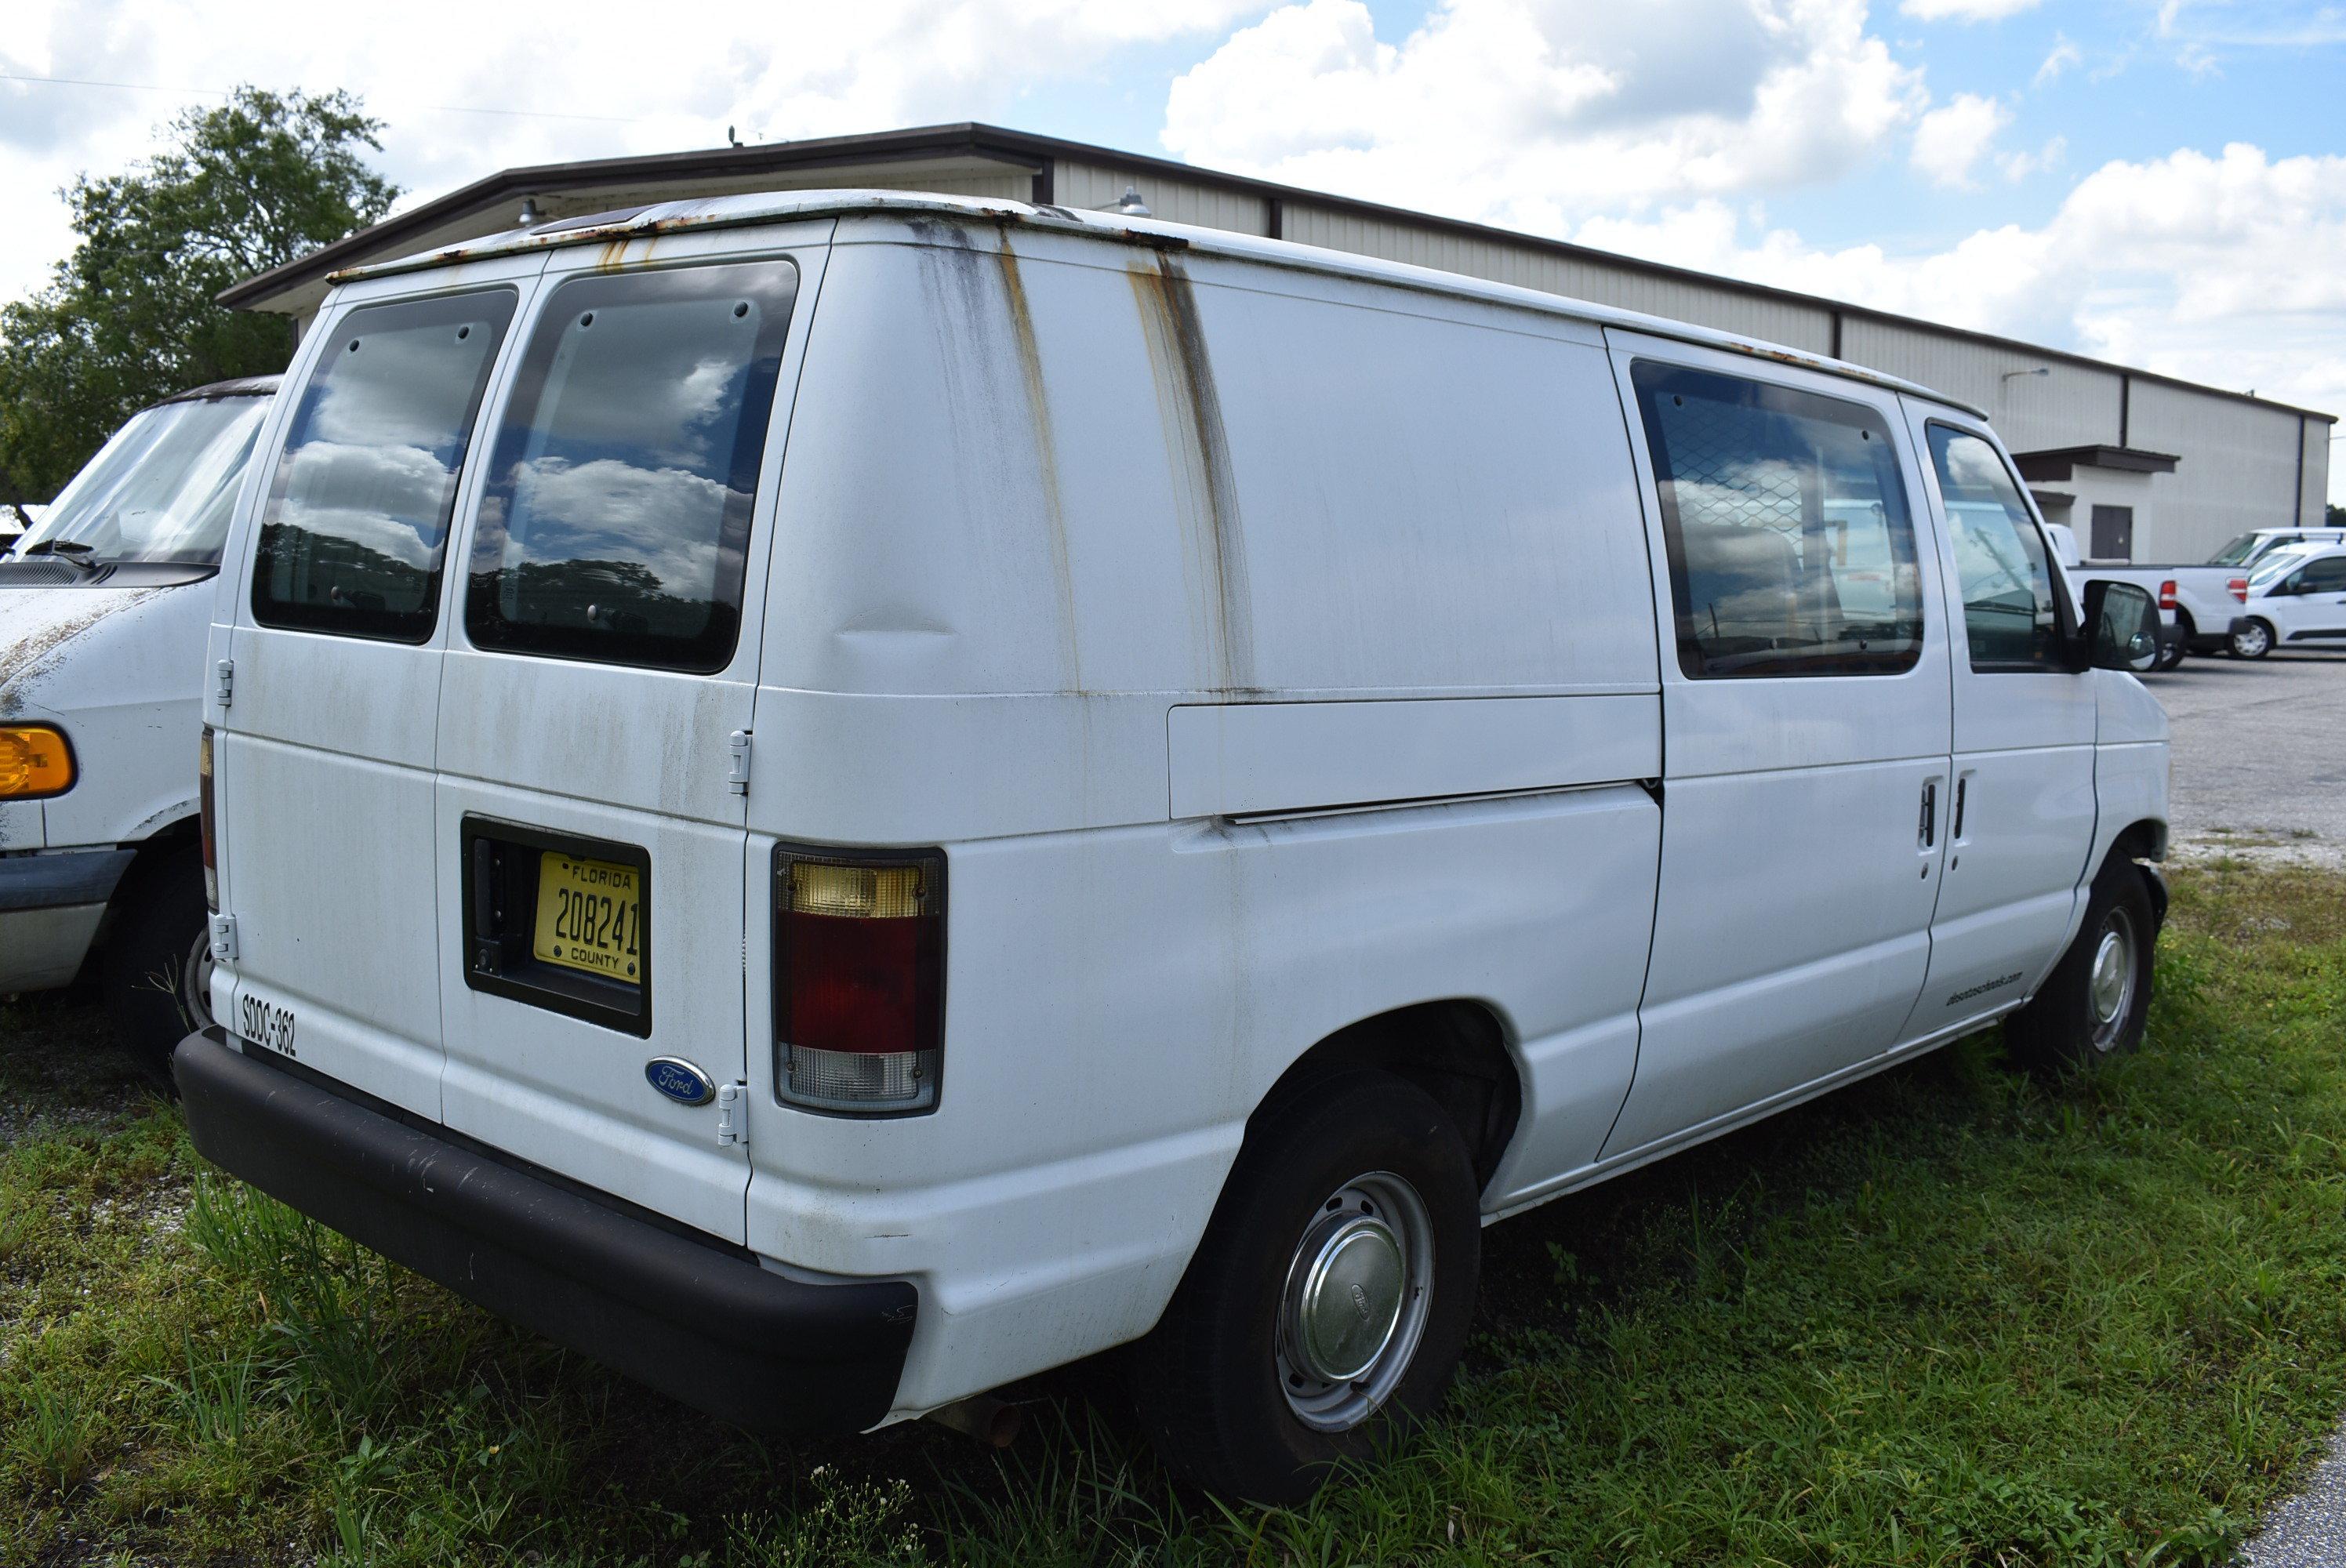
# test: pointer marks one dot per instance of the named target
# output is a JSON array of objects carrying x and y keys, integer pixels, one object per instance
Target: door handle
[
  {"x": 1963, "y": 790},
  {"x": 1927, "y": 832}
]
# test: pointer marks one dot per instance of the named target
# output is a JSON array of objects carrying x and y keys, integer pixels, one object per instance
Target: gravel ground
[{"x": 2259, "y": 756}]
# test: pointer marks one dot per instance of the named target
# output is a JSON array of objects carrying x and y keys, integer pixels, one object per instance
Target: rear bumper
[
  {"x": 2205, "y": 641},
  {"x": 50, "y": 906},
  {"x": 698, "y": 1320}
]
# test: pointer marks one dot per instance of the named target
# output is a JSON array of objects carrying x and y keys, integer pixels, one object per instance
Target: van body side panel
[
  {"x": 1049, "y": 500},
  {"x": 1233, "y": 759},
  {"x": 1122, "y": 1000},
  {"x": 1798, "y": 871}
]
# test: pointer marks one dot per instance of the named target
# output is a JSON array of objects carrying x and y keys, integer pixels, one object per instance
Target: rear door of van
[
  {"x": 331, "y": 639},
  {"x": 592, "y": 736}
]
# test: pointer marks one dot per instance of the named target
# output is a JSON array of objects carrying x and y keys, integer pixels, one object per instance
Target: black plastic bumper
[
  {"x": 698, "y": 1320},
  {"x": 60, "y": 880}
]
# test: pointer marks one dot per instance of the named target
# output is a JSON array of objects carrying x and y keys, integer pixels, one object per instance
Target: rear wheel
[
  {"x": 1326, "y": 1307},
  {"x": 159, "y": 961},
  {"x": 2094, "y": 1005},
  {"x": 2252, "y": 640}
]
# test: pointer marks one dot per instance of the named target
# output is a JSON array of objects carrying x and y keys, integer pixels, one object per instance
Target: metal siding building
[{"x": 2141, "y": 466}]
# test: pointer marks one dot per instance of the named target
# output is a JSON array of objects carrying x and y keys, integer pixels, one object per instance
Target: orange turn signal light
[{"x": 36, "y": 762}]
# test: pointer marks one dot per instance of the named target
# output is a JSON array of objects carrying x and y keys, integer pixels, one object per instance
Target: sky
[{"x": 2158, "y": 182}]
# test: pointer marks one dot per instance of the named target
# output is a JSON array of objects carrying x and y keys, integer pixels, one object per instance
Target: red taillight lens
[
  {"x": 2166, "y": 594},
  {"x": 204, "y": 819},
  {"x": 858, "y": 981},
  {"x": 2239, "y": 586}
]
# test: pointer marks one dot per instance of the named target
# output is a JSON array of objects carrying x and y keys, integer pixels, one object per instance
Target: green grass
[{"x": 1951, "y": 1316}]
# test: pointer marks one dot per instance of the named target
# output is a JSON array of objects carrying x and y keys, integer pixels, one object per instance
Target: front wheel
[
  {"x": 2095, "y": 1004},
  {"x": 1328, "y": 1305},
  {"x": 159, "y": 960},
  {"x": 2254, "y": 639}
]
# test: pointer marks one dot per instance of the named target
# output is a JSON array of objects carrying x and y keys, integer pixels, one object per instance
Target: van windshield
[{"x": 160, "y": 490}]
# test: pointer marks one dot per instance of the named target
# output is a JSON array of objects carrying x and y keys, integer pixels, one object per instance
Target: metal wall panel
[
  {"x": 1786, "y": 322},
  {"x": 2239, "y": 467},
  {"x": 2315, "y": 491},
  {"x": 1095, "y": 187},
  {"x": 2070, "y": 405}
]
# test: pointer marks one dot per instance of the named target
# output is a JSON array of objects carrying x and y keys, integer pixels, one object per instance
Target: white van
[
  {"x": 837, "y": 799},
  {"x": 2297, "y": 595},
  {"x": 103, "y": 610}
]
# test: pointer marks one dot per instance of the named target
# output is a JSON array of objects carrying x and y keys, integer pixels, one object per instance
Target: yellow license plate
[{"x": 590, "y": 916}]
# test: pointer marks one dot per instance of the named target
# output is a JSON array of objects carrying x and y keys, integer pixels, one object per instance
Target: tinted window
[
  {"x": 358, "y": 512},
  {"x": 2324, "y": 576},
  {"x": 1792, "y": 549},
  {"x": 2238, "y": 551},
  {"x": 2010, "y": 616},
  {"x": 617, "y": 503}
]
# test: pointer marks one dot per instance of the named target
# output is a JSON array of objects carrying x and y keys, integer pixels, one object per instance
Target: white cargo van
[
  {"x": 103, "y": 610},
  {"x": 837, "y": 799}
]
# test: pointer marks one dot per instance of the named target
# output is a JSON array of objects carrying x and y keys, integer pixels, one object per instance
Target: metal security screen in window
[{"x": 1791, "y": 548}]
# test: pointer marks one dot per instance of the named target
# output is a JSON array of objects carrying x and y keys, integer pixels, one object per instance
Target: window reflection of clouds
[{"x": 617, "y": 509}]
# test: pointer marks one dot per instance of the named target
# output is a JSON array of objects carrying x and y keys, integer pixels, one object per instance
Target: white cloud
[
  {"x": 2062, "y": 54},
  {"x": 1963, "y": 10},
  {"x": 1539, "y": 112},
  {"x": 2192, "y": 264},
  {"x": 1952, "y": 139},
  {"x": 638, "y": 82},
  {"x": 2019, "y": 166}
]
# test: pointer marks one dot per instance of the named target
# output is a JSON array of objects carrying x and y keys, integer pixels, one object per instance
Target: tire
[
  {"x": 2254, "y": 640},
  {"x": 1352, "y": 1192},
  {"x": 2092, "y": 1005},
  {"x": 2171, "y": 653},
  {"x": 158, "y": 967}
]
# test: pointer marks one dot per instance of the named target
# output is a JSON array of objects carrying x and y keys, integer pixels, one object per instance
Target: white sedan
[{"x": 2296, "y": 597}]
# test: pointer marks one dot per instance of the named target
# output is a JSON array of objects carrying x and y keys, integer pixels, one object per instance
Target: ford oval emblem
[{"x": 680, "y": 1080}]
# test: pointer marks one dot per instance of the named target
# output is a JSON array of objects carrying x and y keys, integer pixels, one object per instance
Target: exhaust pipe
[{"x": 988, "y": 1420}]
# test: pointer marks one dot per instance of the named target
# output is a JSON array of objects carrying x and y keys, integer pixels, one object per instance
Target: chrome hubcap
[
  {"x": 2110, "y": 989},
  {"x": 1355, "y": 1302},
  {"x": 2252, "y": 640}
]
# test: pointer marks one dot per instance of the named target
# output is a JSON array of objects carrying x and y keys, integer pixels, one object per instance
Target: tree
[
  {"x": 2337, "y": 516},
  {"x": 130, "y": 315}
]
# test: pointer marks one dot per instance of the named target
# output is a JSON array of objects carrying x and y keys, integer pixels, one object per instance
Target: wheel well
[
  {"x": 159, "y": 846},
  {"x": 2143, "y": 840},
  {"x": 1454, "y": 1049}
]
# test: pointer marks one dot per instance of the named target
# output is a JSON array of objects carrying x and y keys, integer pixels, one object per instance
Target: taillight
[
  {"x": 36, "y": 762},
  {"x": 2166, "y": 594},
  {"x": 2239, "y": 586},
  {"x": 204, "y": 819},
  {"x": 859, "y": 981}
]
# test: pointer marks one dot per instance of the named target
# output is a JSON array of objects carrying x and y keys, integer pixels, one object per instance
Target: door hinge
[
  {"x": 733, "y": 1114},
  {"x": 225, "y": 689},
  {"x": 223, "y": 938},
  {"x": 737, "y": 763}
]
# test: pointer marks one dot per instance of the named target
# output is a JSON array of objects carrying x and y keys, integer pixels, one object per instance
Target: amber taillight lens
[{"x": 858, "y": 981}]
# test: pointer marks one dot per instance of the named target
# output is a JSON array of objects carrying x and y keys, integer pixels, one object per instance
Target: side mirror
[{"x": 2121, "y": 629}]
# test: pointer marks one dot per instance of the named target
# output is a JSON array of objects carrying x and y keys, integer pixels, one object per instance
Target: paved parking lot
[{"x": 2259, "y": 750}]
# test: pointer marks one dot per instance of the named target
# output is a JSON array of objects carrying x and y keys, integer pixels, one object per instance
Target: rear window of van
[
  {"x": 359, "y": 508},
  {"x": 615, "y": 510}
]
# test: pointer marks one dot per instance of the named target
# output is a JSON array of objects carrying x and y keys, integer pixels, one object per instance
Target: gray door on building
[{"x": 2113, "y": 533}]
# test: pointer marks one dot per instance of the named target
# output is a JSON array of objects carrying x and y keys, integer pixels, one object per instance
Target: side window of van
[
  {"x": 1792, "y": 549},
  {"x": 2010, "y": 616},
  {"x": 358, "y": 511},
  {"x": 616, "y": 507}
]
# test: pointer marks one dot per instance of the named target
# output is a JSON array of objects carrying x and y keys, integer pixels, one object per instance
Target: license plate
[{"x": 589, "y": 916}]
